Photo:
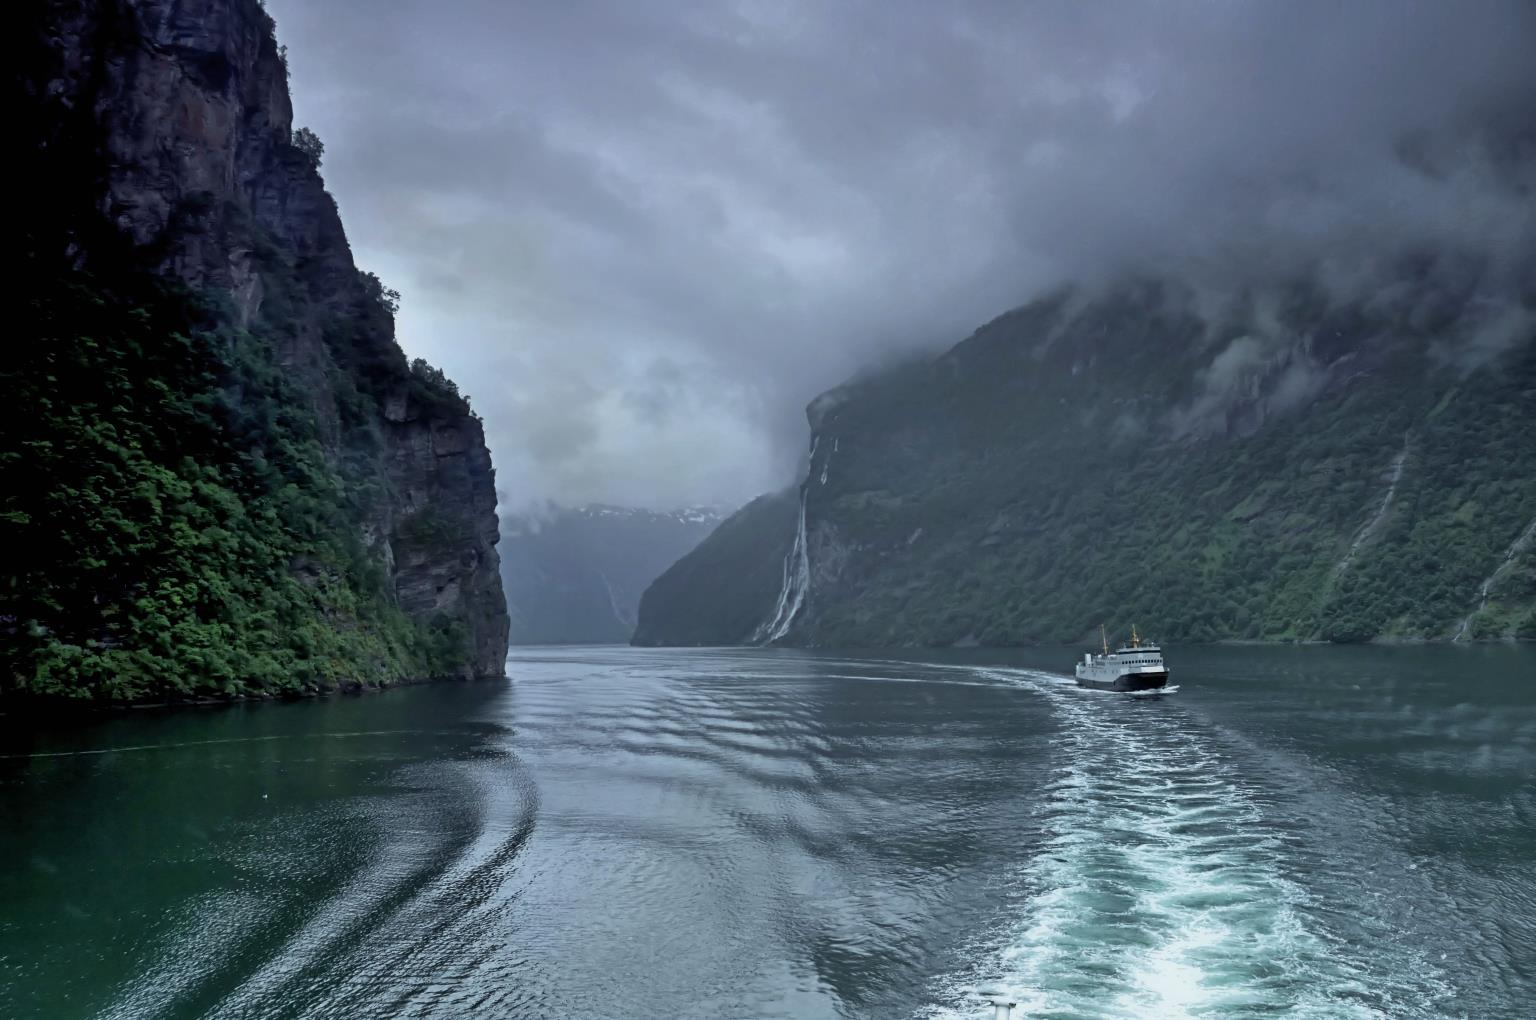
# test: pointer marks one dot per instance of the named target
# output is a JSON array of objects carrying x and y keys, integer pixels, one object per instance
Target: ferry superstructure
[{"x": 1133, "y": 667}]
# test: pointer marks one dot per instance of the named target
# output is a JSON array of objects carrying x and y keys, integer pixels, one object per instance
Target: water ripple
[{"x": 1161, "y": 888}]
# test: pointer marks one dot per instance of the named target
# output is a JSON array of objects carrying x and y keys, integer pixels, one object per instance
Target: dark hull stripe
[{"x": 1137, "y": 682}]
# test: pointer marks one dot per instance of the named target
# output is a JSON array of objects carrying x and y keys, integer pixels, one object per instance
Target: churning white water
[{"x": 1162, "y": 890}]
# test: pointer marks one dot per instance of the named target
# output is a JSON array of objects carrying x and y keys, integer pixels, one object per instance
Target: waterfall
[
  {"x": 1394, "y": 475},
  {"x": 613, "y": 603},
  {"x": 1504, "y": 564},
  {"x": 797, "y": 573}
]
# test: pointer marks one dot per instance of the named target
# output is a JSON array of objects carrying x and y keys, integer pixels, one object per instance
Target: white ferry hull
[
  {"x": 1126, "y": 682},
  {"x": 1133, "y": 667}
]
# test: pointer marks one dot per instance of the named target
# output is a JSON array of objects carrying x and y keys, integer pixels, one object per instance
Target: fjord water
[{"x": 1314, "y": 832}]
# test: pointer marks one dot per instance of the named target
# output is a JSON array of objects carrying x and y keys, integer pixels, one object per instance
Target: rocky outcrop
[
  {"x": 441, "y": 469},
  {"x": 186, "y": 106}
]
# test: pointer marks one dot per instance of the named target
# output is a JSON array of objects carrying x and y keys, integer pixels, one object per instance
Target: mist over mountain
[
  {"x": 1282, "y": 391},
  {"x": 778, "y": 197},
  {"x": 574, "y": 575},
  {"x": 1273, "y": 272},
  {"x": 1358, "y": 470},
  {"x": 1003, "y": 325},
  {"x": 1322, "y": 430}
]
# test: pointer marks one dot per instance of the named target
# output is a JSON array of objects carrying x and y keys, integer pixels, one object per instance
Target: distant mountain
[
  {"x": 574, "y": 576},
  {"x": 1283, "y": 465}
]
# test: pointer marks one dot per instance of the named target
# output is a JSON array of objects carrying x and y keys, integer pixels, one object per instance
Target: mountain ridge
[
  {"x": 574, "y": 575},
  {"x": 1291, "y": 467}
]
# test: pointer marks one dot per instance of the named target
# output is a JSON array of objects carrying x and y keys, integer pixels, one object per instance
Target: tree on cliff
[{"x": 309, "y": 143}]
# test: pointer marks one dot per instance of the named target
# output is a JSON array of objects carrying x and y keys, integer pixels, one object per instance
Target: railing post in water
[{"x": 1002, "y": 1006}]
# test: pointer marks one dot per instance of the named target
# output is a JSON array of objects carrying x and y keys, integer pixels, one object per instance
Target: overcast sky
[{"x": 642, "y": 235}]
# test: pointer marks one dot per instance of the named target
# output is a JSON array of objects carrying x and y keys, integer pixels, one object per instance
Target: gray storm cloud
[{"x": 643, "y": 235}]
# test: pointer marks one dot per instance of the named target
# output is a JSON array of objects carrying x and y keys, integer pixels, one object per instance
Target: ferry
[{"x": 1137, "y": 667}]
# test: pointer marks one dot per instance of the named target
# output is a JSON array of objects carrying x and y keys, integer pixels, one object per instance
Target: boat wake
[{"x": 1158, "y": 887}]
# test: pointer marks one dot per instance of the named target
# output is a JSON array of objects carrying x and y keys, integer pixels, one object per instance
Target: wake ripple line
[{"x": 1158, "y": 888}]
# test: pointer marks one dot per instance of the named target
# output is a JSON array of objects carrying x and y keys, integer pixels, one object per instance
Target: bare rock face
[
  {"x": 189, "y": 102},
  {"x": 441, "y": 465}
]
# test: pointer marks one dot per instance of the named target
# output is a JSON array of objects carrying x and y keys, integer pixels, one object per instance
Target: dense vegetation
[
  {"x": 172, "y": 523},
  {"x": 1067, "y": 467},
  {"x": 195, "y": 485}
]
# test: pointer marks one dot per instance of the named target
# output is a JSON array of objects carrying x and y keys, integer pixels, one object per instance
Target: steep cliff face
[
  {"x": 441, "y": 470},
  {"x": 164, "y": 140},
  {"x": 1283, "y": 465}
]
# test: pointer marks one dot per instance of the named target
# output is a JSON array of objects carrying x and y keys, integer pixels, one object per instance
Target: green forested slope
[
  {"x": 205, "y": 415},
  {"x": 1124, "y": 461},
  {"x": 172, "y": 524}
]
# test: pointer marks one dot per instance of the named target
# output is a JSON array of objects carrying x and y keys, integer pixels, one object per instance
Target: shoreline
[{"x": 57, "y": 708}]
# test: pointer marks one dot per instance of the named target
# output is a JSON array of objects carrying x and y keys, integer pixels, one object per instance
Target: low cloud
[{"x": 643, "y": 236}]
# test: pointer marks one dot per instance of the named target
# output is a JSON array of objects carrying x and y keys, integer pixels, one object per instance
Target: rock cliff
[{"x": 164, "y": 139}]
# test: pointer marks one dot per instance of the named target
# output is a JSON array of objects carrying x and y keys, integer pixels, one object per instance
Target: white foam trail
[{"x": 1159, "y": 888}]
